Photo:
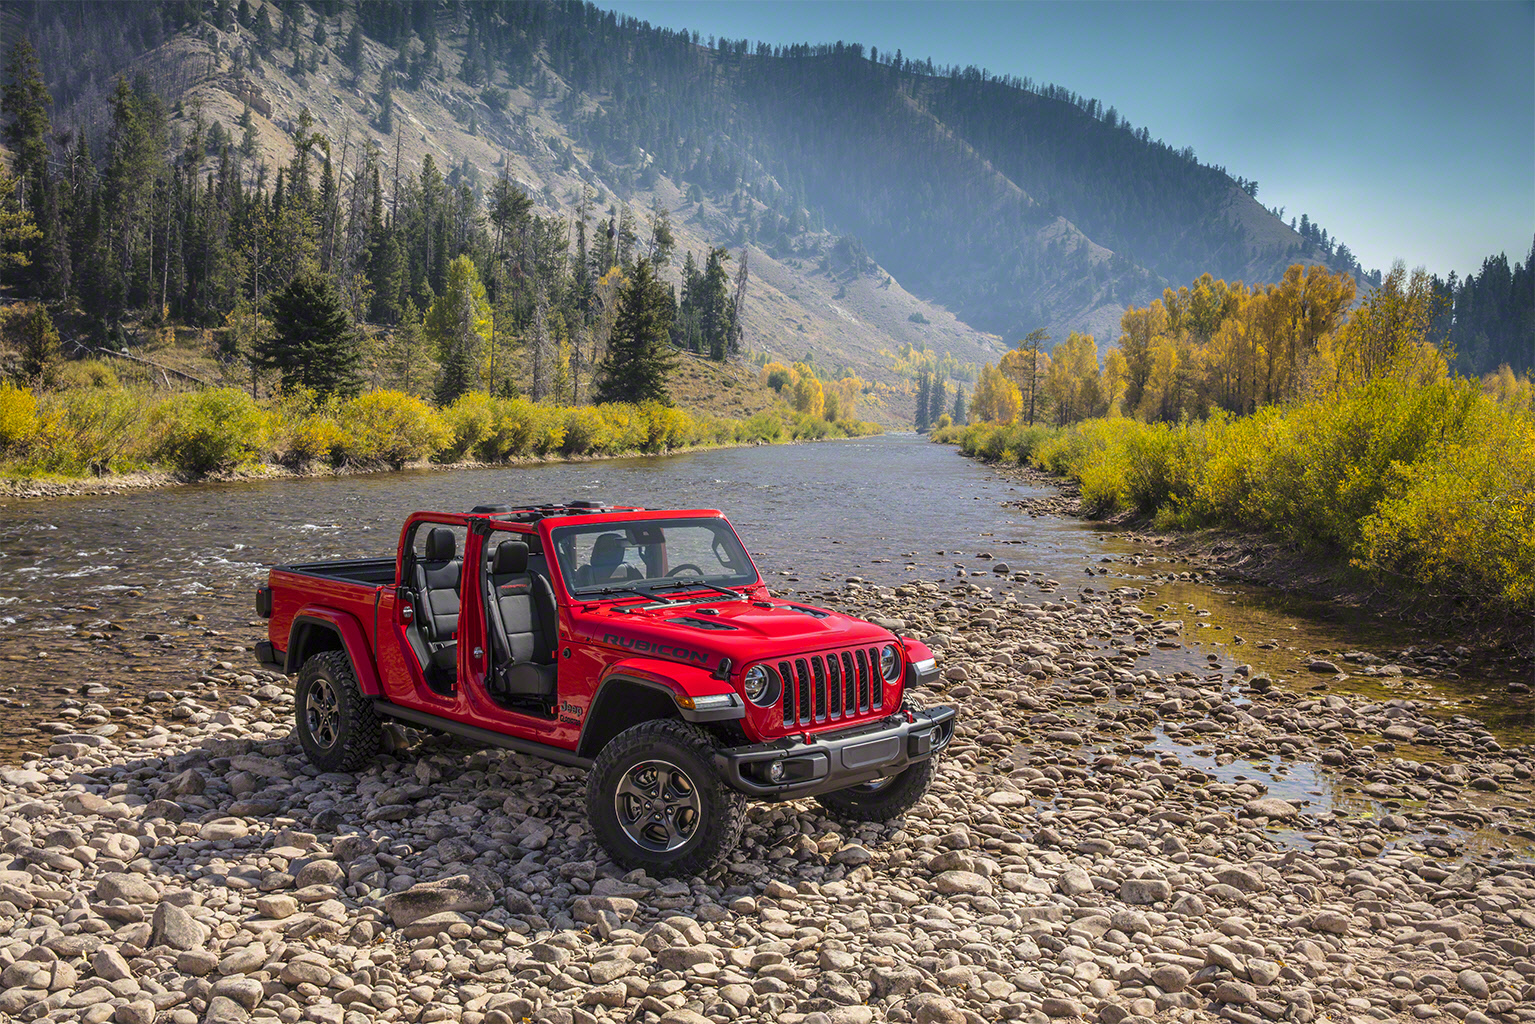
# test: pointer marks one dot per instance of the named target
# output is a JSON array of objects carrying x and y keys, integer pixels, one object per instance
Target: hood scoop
[{"x": 686, "y": 620}]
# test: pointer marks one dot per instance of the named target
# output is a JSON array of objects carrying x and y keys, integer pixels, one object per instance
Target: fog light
[{"x": 775, "y": 771}]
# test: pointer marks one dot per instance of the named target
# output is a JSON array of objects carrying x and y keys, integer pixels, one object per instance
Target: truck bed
[{"x": 373, "y": 572}]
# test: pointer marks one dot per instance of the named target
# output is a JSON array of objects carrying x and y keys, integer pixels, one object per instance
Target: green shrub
[
  {"x": 210, "y": 430},
  {"x": 764, "y": 426},
  {"x": 86, "y": 373}
]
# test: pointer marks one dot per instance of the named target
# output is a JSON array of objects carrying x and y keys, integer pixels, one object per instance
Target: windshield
[{"x": 653, "y": 554}]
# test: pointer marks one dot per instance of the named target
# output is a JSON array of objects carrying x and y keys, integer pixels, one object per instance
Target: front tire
[
  {"x": 656, "y": 801},
  {"x": 335, "y": 722},
  {"x": 882, "y": 799}
]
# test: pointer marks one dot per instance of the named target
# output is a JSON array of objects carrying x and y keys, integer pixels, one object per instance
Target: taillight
[{"x": 264, "y": 601}]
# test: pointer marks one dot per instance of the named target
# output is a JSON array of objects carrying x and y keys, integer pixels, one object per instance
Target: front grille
[{"x": 831, "y": 687}]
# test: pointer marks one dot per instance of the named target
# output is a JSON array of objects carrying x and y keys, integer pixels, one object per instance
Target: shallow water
[{"x": 103, "y": 599}]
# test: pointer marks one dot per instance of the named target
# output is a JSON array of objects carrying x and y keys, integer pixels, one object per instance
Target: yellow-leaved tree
[
  {"x": 1388, "y": 334},
  {"x": 1075, "y": 382},
  {"x": 996, "y": 399}
]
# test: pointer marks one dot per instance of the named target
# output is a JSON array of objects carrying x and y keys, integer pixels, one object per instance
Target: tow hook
[{"x": 911, "y": 718}]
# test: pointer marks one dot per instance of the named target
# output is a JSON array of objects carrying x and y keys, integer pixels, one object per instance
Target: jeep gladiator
[{"x": 641, "y": 645}]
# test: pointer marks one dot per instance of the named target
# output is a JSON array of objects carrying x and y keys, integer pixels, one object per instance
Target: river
[{"x": 104, "y": 599}]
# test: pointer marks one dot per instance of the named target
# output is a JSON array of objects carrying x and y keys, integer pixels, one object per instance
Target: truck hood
[{"x": 743, "y": 631}]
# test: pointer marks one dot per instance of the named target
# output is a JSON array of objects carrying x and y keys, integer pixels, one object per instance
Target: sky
[{"x": 1407, "y": 130}]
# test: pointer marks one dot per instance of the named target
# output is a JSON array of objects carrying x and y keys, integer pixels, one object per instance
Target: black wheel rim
[
  {"x": 322, "y": 713},
  {"x": 658, "y": 806}
]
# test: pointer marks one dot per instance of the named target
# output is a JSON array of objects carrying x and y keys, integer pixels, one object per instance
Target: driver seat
[
  {"x": 524, "y": 625},
  {"x": 607, "y": 564}
]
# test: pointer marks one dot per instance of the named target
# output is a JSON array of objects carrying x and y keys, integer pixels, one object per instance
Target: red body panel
[
  {"x": 346, "y": 607},
  {"x": 596, "y": 641}
]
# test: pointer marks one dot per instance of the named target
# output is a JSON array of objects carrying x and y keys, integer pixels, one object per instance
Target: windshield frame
[{"x": 561, "y": 562}]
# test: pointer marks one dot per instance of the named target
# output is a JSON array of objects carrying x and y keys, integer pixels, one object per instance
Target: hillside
[
  {"x": 809, "y": 300},
  {"x": 881, "y": 203}
]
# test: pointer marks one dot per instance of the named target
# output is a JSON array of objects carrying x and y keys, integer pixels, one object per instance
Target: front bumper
[{"x": 837, "y": 760}]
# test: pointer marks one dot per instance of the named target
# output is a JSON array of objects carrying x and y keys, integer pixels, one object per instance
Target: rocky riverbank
[
  {"x": 1100, "y": 843},
  {"x": 1272, "y": 562}
]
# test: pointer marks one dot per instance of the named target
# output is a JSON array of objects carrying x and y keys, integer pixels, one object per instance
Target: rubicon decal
[{"x": 660, "y": 650}]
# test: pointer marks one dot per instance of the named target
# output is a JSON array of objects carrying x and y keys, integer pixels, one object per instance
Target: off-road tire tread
[
  {"x": 362, "y": 733},
  {"x": 721, "y": 831},
  {"x": 891, "y": 802}
]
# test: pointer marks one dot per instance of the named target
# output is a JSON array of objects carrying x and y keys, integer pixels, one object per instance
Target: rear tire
[
  {"x": 656, "y": 801},
  {"x": 882, "y": 799},
  {"x": 335, "y": 721}
]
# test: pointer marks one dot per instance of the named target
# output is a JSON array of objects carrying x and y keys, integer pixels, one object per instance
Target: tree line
[
  {"x": 474, "y": 289},
  {"x": 1213, "y": 346}
]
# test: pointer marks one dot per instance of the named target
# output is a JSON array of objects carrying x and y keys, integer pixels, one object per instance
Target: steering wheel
[{"x": 685, "y": 566}]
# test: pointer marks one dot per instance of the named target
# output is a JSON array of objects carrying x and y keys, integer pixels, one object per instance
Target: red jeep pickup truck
[{"x": 640, "y": 645}]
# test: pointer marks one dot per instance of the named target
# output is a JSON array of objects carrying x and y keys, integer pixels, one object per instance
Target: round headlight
[
  {"x": 758, "y": 684},
  {"x": 890, "y": 663}
]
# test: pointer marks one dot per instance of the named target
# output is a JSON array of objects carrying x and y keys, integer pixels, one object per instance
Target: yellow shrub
[
  {"x": 586, "y": 432},
  {"x": 1463, "y": 519},
  {"x": 305, "y": 429},
  {"x": 18, "y": 418},
  {"x": 471, "y": 420},
  {"x": 389, "y": 427}
]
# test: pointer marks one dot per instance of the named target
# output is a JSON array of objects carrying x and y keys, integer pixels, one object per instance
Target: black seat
[
  {"x": 437, "y": 579},
  {"x": 607, "y": 564},
  {"x": 522, "y": 612}
]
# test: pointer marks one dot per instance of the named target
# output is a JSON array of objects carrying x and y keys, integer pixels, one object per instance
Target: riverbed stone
[
  {"x": 1144, "y": 891},
  {"x": 1143, "y": 873},
  {"x": 457, "y": 894}
]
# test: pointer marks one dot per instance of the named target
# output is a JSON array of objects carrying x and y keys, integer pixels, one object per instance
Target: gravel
[{"x": 1099, "y": 844}]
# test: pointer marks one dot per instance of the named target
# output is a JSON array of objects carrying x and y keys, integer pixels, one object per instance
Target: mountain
[{"x": 885, "y": 205}]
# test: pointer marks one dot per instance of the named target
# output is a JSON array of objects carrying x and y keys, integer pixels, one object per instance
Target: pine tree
[
  {"x": 712, "y": 301},
  {"x": 937, "y": 397},
  {"x": 404, "y": 359},
  {"x": 249, "y": 142},
  {"x": 539, "y": 355},
  {"x": 386, "y": 273},
  {"x": 313, "y": 344},
  {"x": 352, "y": 55},
  {"x": 958, "y": 415},
  {"x": 37, "y": 341},
  {"x": 640, "y": 356},
  {"x": 17, "y": 232},
  {"x": 25, "y": 102},
  {"x": 923, "y": 386},
  {"x": 385, "y": 100}
]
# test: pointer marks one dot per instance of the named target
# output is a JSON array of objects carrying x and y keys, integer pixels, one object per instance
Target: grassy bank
[
  {"x": 92, "y": 431},
  {"x": 1432, "y": 484}
]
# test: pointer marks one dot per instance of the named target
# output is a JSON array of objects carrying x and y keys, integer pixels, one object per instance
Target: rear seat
[{"x": 437, "y": 580}]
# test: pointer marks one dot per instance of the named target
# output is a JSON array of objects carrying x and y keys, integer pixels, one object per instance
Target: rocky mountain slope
[{"x": 881, "y": 202}]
